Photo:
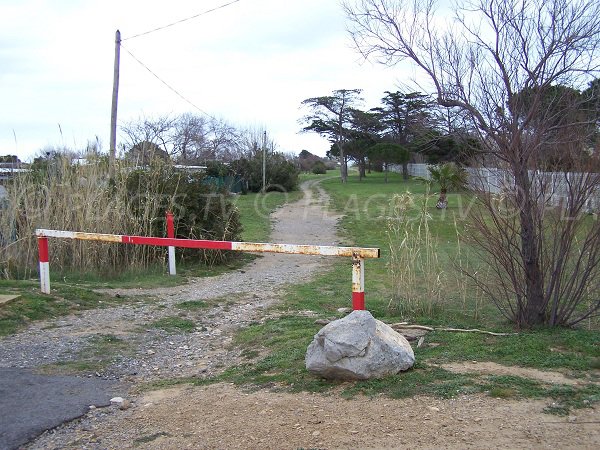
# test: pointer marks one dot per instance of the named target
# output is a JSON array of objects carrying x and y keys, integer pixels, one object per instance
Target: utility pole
[
  {"x": 264, "y": 161},
  {"x": 113, "y": 113}
]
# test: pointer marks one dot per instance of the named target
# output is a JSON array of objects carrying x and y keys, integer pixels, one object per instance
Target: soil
[{"x": 224, "y": 416}]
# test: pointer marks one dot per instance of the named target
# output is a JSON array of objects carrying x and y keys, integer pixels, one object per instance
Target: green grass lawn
[{"x": 365, "y": 206}]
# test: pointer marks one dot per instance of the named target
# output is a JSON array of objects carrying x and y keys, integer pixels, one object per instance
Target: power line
[
  {"x": 167, "y": 84},
  {"x": 182, "y": 20}
]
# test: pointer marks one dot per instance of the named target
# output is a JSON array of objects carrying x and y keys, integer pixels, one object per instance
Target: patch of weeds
[
  {"x": 421, "y": 380},
  {"x": 32, "y": 305},
  {"x": 510, "y": 386},
  {"x": 167, "y": 383},
  {"x": 104, "y": 344},
  {"x": 192, "y": 305},
  {"x": 73, "y": 367},
  {"x": 576, "y": 398},
  {"x": 557, "y": 409},
  {"x": 150, "y": 438},
  {"x": 502, "y": 392},
  {"x": 100, "y": 351},
  {"x": 250, "y": 354},
  {"x": 527, "y": 349},
  {"x": 564, "y": 397},
  {"x": 174, "y": 324}
]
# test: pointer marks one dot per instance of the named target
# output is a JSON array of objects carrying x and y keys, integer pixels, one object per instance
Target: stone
[
  {"x": 358, "y": 347},
  {"x": 322, "y": 321},
  {"x": 117, "y": 400},
  {"x": 125, "y": 404}
]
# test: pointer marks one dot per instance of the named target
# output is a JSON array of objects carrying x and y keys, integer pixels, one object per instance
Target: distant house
[
  {"x": 3, "y": 197},
  {"x": 7, "y": 171}
]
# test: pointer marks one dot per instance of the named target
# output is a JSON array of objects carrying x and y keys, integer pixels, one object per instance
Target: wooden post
[{"x": 113, "y": 113}]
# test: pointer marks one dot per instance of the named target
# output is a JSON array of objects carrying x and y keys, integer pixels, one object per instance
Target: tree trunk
[
  {"x": 405, "y": 171},
  {"x": 442, "y": 202},
  {"x": 386, "y": 172},
  {"x": 532, "y": 313},
  {"x": 343, "y": 164},
  {"x": 362, "y": 169}
]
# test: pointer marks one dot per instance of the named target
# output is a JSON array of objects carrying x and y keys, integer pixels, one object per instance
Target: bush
[
  {"x": 319, "y": 168},
  {"x": 200, "y": 212},
  {"x": 217, "y": 169},
  {"x": 281, "y": 175}
]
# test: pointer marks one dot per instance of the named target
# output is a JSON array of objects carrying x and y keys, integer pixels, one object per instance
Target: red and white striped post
[
  {"x": 44, "y": 265},
  {"x": 171, "y": 234},
  {"x": 358, "y": 254},
  {"x": 358, "y": 283}
]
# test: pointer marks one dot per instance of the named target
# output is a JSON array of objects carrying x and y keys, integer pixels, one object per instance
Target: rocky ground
[{"x": 223, "y": 416}]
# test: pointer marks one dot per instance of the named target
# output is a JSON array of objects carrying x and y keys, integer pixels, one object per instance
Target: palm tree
[{"x": 448, "y": 176}]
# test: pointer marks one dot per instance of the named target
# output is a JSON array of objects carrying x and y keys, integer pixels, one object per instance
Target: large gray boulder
[{"x": 358, "y": 347}]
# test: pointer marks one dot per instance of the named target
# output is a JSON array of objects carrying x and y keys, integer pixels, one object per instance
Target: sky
[{"x": 250, "y": 63}]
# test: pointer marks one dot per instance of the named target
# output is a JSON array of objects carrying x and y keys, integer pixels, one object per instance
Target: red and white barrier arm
[
  {"x": 297, "y": 249},
  {"x": 358, "y": 254}
]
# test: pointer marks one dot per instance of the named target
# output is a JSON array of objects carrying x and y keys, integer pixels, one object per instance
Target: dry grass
[
  {"x": 60, "y": 195},
  {"x": 418, "y": 277}
]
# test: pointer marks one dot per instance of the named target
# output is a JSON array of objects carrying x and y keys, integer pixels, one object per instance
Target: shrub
[
  {"x": 319, "y": 168},
  {"x": 281, "y": 175},
  {"x": 200, "y": 212}
]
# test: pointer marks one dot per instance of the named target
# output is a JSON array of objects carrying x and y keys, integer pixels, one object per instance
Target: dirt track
[{"x": 222, "y": 416}]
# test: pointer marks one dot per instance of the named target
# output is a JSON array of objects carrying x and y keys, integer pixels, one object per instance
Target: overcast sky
[{"x": 251, "y": 63}]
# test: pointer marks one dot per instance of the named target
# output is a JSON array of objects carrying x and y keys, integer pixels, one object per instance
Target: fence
[
  {"x": 358, "y": 254},
  {"x": 553, "y": 187}
]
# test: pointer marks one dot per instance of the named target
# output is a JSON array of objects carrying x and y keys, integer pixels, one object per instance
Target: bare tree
[
  {"x": 223, "y": 141},
  {"x": 189, "y": 137},
  {"x": 149, "y": 134},
  {"x": 498, "y": 62},
  {"x": 253, "y": 139}
]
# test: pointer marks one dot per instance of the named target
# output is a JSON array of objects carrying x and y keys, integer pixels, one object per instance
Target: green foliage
[
  {"x": 439, "y": 148},
  {"x": 281, "y": 174},
  {"x": 217, "y": 169},
  {"x": 319, "y": 168},
  {"x": 193, "y": 305},
  {"x": 33, "y": 305},
  {"x": 174, "y": 325},
  {"x": 388, "y": 153},
  {"x": 449, "y": 176},
  {"x": 200, "y": 213},
  {"x": 57, "y": 194}
]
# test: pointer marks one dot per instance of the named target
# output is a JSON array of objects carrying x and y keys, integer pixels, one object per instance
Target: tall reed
[
  {"x": 57, "y": 194},
  {"x": 417, "y": 274}
]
